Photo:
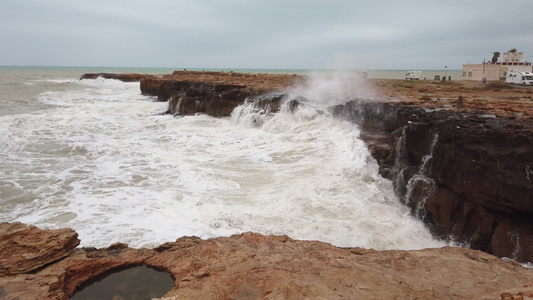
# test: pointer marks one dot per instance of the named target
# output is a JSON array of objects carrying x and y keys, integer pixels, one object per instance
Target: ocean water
[{"x": 98, "y": 157}]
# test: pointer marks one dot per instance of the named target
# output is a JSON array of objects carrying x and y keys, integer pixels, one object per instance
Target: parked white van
[
  {"x": 413, "y": 75},
  {"x": 523, "y": 78}
]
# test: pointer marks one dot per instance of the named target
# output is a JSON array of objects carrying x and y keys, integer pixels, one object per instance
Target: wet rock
[
  {"x": 214, "y": 93},
  {"x": 478, "y": 166},
  {"x": 514, "y": 236}
]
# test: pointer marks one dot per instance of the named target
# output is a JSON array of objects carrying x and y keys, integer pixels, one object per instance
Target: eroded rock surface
[
  {"x": 213, "y": 93},
  {"x": 277, "y": 267},
  {"x": 26, "y": 248},
  {"x": 254, "y": 266}
]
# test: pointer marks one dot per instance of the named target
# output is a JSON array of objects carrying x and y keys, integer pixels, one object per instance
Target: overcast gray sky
[{"x": 273, "y": 34}]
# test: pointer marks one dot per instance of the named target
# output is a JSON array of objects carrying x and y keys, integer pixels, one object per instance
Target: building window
[{"x": 470, "y": 74}]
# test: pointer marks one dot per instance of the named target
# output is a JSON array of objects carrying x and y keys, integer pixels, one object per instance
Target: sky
[{"x": 267, "y": 34}]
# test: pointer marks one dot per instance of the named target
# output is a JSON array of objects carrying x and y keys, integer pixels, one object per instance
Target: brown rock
[
  {"x": 254, "y": 266},
  {"x": 277, "y": 267},
  {"x": 519, "y": 293},
  {"x": 26, "y": 248},
  {"x": 61, "y": 279}
]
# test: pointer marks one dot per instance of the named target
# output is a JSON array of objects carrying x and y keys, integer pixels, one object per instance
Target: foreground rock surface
[
  {"x": 26, "y": 248},
  {"x": 254, "y": 266}
]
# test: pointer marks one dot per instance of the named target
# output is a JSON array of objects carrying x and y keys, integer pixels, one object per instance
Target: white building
[{"x": 498, "y": 70}]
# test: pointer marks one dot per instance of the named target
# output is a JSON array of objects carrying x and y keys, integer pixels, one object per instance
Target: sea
[{"x": 99, "y": 157}]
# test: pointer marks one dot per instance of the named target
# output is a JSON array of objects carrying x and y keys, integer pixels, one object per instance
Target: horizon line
[{"x": 222, "y": 68}]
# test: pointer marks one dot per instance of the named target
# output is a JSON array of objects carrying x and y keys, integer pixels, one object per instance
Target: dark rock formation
[
  {"x": 213, "y": 93},
  {"x": 466, "y": 173},
  {"x": 188, "y": 98},
  {"x": 254, "y": 266}
]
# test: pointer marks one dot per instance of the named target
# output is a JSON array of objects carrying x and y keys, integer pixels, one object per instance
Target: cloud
[{"x": 261, "y": 34}]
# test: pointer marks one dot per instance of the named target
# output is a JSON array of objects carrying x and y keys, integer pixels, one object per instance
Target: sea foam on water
[{"x": 99, "y": 159}]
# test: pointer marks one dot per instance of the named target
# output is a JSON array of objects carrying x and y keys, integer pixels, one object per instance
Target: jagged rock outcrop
[
  {"x": 26, "y": 248},
  {"x": 467, "y": 173},
  {"x": 213, "y": 93},
  {"x": 254, "y": 266},
  {"x": 217, "y": 100}
]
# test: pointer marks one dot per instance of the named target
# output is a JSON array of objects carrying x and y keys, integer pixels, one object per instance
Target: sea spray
[
  {"x": 99, "y": 160},
  {"x": 332, "y": 88}
]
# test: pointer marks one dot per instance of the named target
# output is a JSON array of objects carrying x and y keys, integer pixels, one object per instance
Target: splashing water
[{"x": 99, "y": 160}]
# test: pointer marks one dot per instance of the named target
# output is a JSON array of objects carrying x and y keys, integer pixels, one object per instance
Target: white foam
[{"x": 100, "y": 161}]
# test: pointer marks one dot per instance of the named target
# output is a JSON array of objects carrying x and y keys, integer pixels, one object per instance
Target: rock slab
[
  {"x": 255, "y": 266},
  {"x": 26, "y": 248}
]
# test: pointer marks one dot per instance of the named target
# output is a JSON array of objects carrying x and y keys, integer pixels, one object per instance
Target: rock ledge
[{"x": 255, "y": 266}]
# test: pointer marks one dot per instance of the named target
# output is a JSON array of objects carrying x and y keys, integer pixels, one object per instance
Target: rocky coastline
[
  {"x": 465, "y": 172},
  {"x": 459, "y": 155},
  {"x": 476, "y": 184}
]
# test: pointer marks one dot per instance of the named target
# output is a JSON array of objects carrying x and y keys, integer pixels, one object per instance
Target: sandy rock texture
[
  {"x": 26, "y": 248},
  {"x": 254, "y": 266}
]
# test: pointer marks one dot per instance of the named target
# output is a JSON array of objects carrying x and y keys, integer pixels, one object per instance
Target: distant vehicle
[
  {"x": 437, "y": 78},
  {"x": 413, "y": 75},
  {"x": 523, "y": 78}
]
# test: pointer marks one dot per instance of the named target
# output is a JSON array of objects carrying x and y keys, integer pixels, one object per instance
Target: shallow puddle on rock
[{"x": 134, "y": 283}]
